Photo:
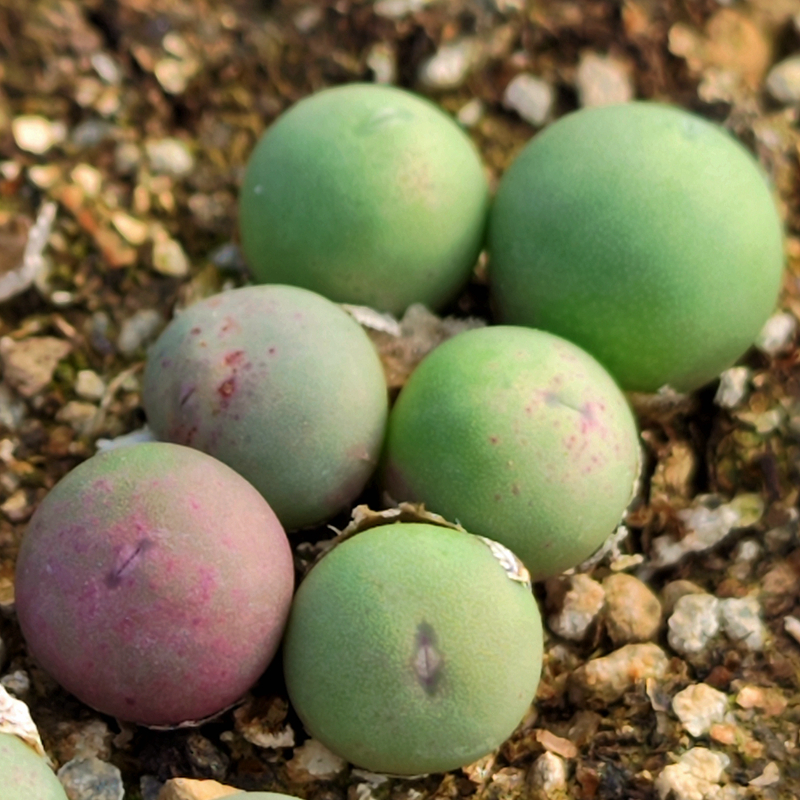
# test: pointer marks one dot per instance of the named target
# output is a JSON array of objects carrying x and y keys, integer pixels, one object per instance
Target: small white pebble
[
  {"x": 777, "y": 333},
  {"x": 602, "y": 81},
  {"x": 733, "y": 387},
  {"x": 769, "y": 777},
  {"x": 783, "y": 81},
  {"x": 741, "y": 621},
  {"x": 36, "y": 134},
  {"x": 698, "y": 707},
  {"x": 548, "y": 773},
  {"x": 449, "y": 66},
  {"x": 747, "y": 550},
  {"x": 471, "y": 113},
  {"x": 696, "y": 776},
  {"x": 694, "y": 623},
  {"x": 89, "y": 385},
  {"x": 169, "y": 156},
  {"x": 17, "y": 683},
  {"x": 531, "y": 97},
  {"x": 579, "y": 607},
  {"x": 382, "y": 60}
]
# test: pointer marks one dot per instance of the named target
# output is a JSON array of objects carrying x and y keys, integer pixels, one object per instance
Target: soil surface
[{"x": 124, "y": 131}]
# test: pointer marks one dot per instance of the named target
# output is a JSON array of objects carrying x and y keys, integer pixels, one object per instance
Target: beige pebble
[
  {"x": 188, "y": 789},
  {"x": 28, "y": 365},
  {"x": 89, "y": 385},
  {"x": 632, "y": 611},
  {"x": 606, "y": 679},
  {"x": 573, "y": 604}
]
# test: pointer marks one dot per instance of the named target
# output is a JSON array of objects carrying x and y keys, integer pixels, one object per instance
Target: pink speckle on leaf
[{"x": 226, "y": 390}]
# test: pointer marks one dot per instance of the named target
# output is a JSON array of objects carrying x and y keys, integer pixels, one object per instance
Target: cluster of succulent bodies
[{"x": 155, "y": 582}]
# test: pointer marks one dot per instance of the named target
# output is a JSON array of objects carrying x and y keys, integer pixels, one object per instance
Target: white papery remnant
[
  {"x": 15, "y": 718},
  {"x": 514, "y": 568}
]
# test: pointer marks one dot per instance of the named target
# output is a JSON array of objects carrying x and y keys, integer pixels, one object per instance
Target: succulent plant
[
  {"x": 368, "y": 195},
  {"x": 153, "y": 582},
  {"x": 644, "y": 234},
  {"x": 520, "y": 436},
  {"x": 413, "y": 648},
  {"x": 280, "y": 384},
  {"x": 24, "y": 774}
]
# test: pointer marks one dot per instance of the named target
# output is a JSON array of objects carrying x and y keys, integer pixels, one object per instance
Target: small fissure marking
[
  {"x": 186, "y": 395},
  {"x": 115, "y": 576},
  {"x": 552, "y": 399},
  {"x": 427, "y": 660},
  {"x": 383, "y": 118}
]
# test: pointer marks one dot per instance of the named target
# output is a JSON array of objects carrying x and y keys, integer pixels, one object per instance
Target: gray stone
[
  {"x": 150, "y": 787},
  {"x": 91, "y": 133},
  {"x": 698, "y": 707},
  {"x": 36, "y": 134},
  {"x": 783, "y": 81},
  {"x": 531, "y": 97},
  {"x": 12, "y": 409},
  {"x": 17, "y": 683},
  {"x": 138, "y": 330},
  {"x": 228, "y": 256},
  {"x": 602, "y": 81},
  {"x": 694, "y": 623},
  {"x": 707, "y": 522},
  {"x": 91, "y": 779},
  {"x": 741, "y": 621}
]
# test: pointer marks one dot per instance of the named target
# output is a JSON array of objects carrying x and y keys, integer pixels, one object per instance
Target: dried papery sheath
[
  {"x": 508, "y": 561},
  {"x": 15, "y": 718}
]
